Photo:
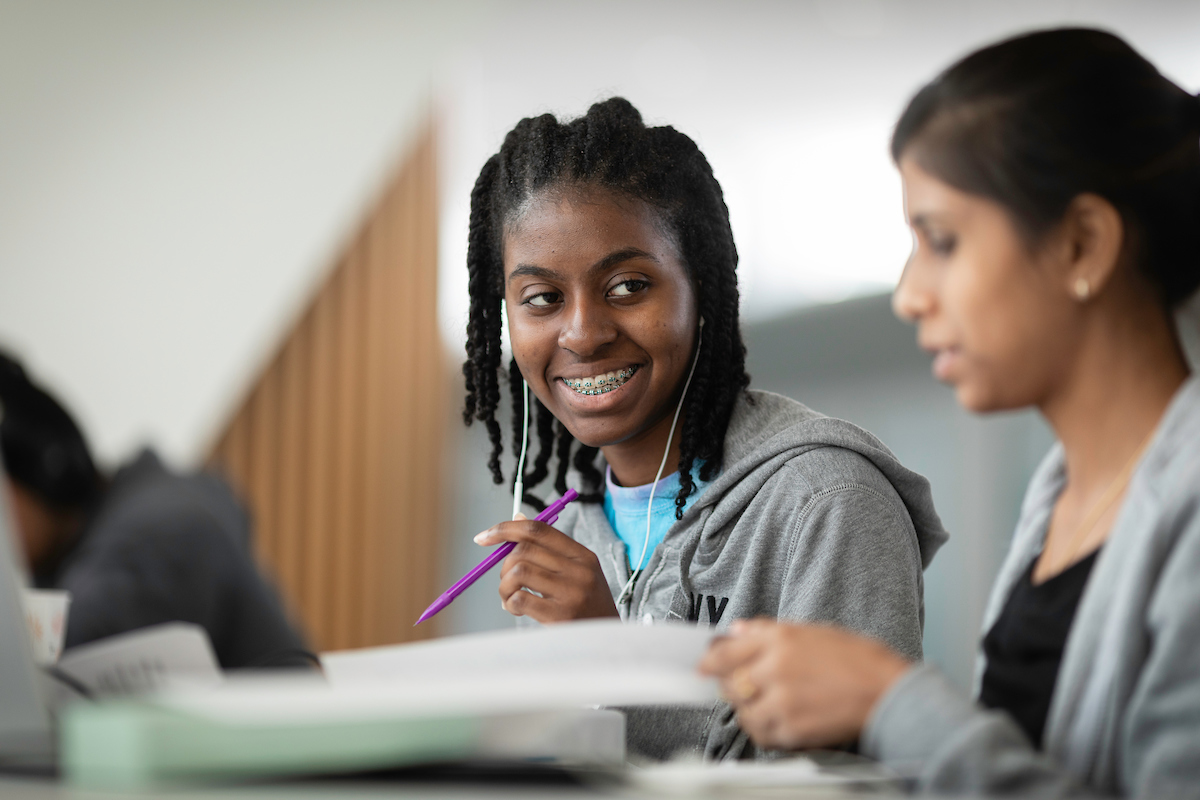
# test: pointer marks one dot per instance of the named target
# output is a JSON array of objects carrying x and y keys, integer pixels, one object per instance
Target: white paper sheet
[
  {"x": 590, "y": 645},
  {"x": 176, "y": 654},
  {"x": 688, "y": 778},
  {"x": 557, "y": 667}
]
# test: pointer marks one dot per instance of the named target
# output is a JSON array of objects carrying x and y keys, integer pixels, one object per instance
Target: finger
[
  {"x": 536, "y": 553},
  {"x": 753, "y": 627},
  {"x": 519, "y": 516},
  {"x": 524, "y": 604},
  {"x": 531, "y": 531},
  {"x": 760, "y": 719},
  {"x": 580, "y": 566},
  {"x": 727, "y": 654},
  {"x": 508, "y": 531},
  {"x": 739, "y": 688},
  {"x": 525, "y": 575}
]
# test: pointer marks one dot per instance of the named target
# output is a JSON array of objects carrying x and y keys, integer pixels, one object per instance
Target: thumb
[{"x": 519, "y": 516}]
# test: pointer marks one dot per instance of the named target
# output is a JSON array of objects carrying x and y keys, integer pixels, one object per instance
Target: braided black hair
[{"x": 608, "y": 148}]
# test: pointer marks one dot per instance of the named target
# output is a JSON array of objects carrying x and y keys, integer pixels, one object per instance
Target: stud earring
[{"x": 1083, "y": 289}]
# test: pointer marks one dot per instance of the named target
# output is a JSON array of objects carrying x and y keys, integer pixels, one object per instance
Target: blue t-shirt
[{"x": 625, "y": 507}]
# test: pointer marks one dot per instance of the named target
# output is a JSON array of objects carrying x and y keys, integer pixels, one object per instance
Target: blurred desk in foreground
[{"x": 840, "y": 776}]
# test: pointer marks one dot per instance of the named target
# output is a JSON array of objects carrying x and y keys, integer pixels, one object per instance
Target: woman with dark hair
[
  {"x": 606, "y": 246},
  {"x": 1053, "y": 184}
]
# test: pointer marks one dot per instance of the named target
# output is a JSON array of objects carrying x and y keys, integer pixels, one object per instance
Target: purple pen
[{"x": 549, "y": 516}]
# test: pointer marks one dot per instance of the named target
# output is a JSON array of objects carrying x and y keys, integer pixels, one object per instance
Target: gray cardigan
[
  {"x": 812, "y": 518},
  {"x": 1125, "y": 715}
]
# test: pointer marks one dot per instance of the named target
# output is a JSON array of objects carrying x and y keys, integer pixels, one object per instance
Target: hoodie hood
[{"x": 767, "y": 430}]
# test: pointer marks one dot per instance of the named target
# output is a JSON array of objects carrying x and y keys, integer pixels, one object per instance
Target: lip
[{"x": 945, "y": 362}]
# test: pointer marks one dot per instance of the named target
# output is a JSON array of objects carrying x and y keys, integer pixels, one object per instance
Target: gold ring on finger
[{"x": 743, "y": 687}]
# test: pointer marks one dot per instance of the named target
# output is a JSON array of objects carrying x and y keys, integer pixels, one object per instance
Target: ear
[{"x": 1094, "y": 236}]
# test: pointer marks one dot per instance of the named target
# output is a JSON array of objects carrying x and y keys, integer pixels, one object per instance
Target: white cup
[{"x": 46, "y": 616}]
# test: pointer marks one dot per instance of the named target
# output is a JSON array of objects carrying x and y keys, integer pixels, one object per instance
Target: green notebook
[{"x": 122, "y": 744}]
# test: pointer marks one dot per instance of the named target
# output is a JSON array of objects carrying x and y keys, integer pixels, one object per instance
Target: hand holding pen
[
  {"x": 540, "y": 523},
  {"x": 541, "y": 559}
]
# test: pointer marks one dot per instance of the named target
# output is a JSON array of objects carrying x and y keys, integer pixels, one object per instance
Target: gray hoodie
[
  {"x": 1125, "y": 714},
  {"x": 811, "y": 518}
]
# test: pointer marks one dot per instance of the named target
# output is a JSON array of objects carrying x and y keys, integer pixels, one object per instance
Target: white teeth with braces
[{"x": 601, "y": 384}]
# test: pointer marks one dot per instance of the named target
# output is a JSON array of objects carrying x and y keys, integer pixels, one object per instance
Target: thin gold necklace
[{"x": 1118, "y": 485}]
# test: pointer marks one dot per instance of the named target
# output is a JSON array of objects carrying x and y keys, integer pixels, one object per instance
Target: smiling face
[
  {"x": 601, "y": 314},
  {"x": 991, "y": 308}
]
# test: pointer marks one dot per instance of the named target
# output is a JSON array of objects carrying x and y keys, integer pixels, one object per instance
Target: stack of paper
[
  {"x": 512, "y": 694},
  {"x": 596, "y": 662}
]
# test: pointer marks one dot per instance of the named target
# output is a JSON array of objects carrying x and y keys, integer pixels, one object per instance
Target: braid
[
  {"x": 516, "y": 390},
  {"x": 541, "y": 465},
  {"x": 609, "y": 148},
  {"x": 482, "y": 367},
  {"x": 585, "y": 465},
  {"x": 563, "y": 447}
]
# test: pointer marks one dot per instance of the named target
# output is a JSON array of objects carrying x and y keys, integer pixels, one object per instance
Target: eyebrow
[
  {"x": 926, "y": 217},
  {"x": 606, "y": 263}
]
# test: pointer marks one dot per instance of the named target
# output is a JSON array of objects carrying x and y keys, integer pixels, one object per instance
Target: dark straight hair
[
  {"x": 1036, "y": 120},
  {"x": 43, "y": 449},
  {"x": 608, "y": 148}
]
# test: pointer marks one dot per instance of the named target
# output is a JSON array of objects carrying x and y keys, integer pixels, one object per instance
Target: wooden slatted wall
[{"x": 337, "y": 447}]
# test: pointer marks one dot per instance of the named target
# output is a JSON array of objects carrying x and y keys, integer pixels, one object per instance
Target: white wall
[
  {"x": 792, "y": 102},
  {"x": 175, "y": 178}
]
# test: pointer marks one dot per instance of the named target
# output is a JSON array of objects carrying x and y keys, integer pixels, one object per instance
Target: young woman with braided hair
[
  {"x": 1052, "y": 182},
  {"x": 606, "y": 245}
]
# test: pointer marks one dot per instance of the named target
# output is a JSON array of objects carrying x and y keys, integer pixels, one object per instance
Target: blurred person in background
[
  {"x": 142, "y": 547},
  {"x": 1053, "y": 185}
]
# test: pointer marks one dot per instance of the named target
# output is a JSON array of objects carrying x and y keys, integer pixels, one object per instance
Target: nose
[
  {"x": 587, "y": 327},
  {"x": 913, "y": 297}
]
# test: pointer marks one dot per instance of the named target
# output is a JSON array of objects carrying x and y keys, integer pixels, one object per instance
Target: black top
[
  {"x": 1025, "y": 646},
  {"x": 161, "y": 547}
]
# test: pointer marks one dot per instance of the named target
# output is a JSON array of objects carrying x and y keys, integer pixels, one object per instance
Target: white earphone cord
[
  {"x": 627, "y": 591},
  {"x": 519, "y": 487}
]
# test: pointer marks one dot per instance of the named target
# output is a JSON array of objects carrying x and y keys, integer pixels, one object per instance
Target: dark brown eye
[
  {"x": 544, "y": 299},
  {"x": 942, "y": 245},
  {"x": 626, "y": 288}
]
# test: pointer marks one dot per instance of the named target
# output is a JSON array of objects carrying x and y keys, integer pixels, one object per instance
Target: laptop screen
[{"x": 24, "y": 721}]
